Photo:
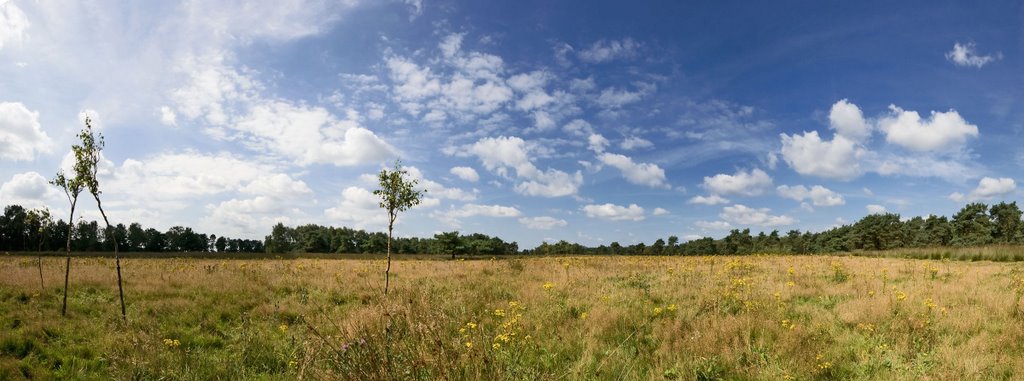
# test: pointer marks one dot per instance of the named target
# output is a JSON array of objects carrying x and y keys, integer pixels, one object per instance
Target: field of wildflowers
[{"x": 634, "y": 318}]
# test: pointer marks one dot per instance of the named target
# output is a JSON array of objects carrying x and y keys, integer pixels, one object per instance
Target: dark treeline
[
  {"x": 19, "y": 231},
  {"x": 975, "y": 225},
  {"x": 327, "y": 239}
]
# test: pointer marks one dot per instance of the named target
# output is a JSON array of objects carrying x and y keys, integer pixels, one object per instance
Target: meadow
[{"x": 624, "y": 318}]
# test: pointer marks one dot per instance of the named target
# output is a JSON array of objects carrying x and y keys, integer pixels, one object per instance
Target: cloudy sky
[{"x": 586, "y": 121}]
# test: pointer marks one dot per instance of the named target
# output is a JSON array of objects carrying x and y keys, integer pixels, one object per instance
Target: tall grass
[{"x": 754, "y": 317}]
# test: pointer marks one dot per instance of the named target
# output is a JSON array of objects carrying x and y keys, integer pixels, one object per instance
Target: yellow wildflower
[
  {"x": 657, "y": 311},
  {"x": 469, "y": 345},
  {"x": 283, "y": 328}
]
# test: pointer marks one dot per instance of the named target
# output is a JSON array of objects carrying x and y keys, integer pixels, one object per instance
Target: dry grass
[{"x": 756, "y": 317}]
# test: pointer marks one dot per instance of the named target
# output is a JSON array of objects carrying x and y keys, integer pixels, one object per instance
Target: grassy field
[{"x": 754, "y": 317}]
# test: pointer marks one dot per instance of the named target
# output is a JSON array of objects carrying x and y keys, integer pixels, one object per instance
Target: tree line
[
  {"x": 24, "y": 229},
  {"x": 974, "y": 225},
  {"x": 313, "y": 238}
]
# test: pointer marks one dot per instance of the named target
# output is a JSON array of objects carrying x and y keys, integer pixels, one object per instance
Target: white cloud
[
  {"x": 614, "y": 212},
  {"x": 988, "y": 188},
  {"x": 875, "y": 209},
  {"x": 310, "y": 135},
  {"x": 712, "y": 225},
  {"x": 465, "y": 173},
  {"x": 543, "y": 222},
  {"x": 659, "y": 212},
  {"x": 451, "y": 44},
  {"x": 965, "y": 55},
  {"x": 818, "y": 195},
  {"x": 604, "y": 50},
  {"x": 807, "y": 154},
  {"x": 578, "y": 127},
  {"x": 616, "y": 98},
  {"x": 435, "y": 189},
  {"x": 29, "y": 189},
  {"x": 177, "y": 179},
  {"x": 637, "y": 173},
  {"x": 21, "y": 136},
  {"x": 743, "y": 183},
  {"x": 847, "y": 120},
  {"x": 942, "y": 131},
  {"x": 743, "y": 215},
  {"x": 359, "y": 208},
  {"x": 13, "y": 24},
  {"x": 635, "y": 142},
  {"x": 708, "y": 200},
  {"x": 167, "y": 116},
  {"x": 413, "y": 82},
  {"x": 597, "y": 143},
  {"x": 247, "y": 217},
  {"x": 502, "y": 153},
  {"x": 473, "y": 210}
]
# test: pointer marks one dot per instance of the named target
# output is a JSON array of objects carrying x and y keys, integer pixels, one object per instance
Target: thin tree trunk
[
  {"x": 387, "y": 271},
  {"x": 39, "y": 260},
  {"x": 117, "y": 257},
  {"x": 67, "y": 263}
]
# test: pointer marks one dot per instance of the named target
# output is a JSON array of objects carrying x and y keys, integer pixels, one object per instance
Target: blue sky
[{"x": 586, "y": 121}]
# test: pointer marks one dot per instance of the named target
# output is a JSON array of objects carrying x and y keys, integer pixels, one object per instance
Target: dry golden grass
[{"x": 755, "y": 317}]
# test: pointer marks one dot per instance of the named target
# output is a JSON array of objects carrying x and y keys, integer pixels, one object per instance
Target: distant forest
[{"x": 975, "y": 225}]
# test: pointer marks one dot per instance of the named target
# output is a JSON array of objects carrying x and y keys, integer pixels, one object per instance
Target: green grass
[{"x": 755, "y": 317}]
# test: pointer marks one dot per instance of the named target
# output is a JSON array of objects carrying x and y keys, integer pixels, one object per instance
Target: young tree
[
  {"x": 89, "y": 152},
  {"x": 72, "y": 189},
  {"x": 40, "y": 221},
  {"x": 397, "y": 195}
]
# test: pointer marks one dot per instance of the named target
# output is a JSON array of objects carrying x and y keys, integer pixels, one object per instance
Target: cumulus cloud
[
  {"x": 847, "y": 120},
  {"x": 635, "y": 142},
  {"x": 597, "y": 143},
  {"x": 436, "y": 190},
  {"x": 659, "y": 212},
  {"x": 358, "y": 207},
  {"x": 29, "y": 189},
  {"x": 966, "y": 55},
  {"x": 473, "y": 210},
  {"x": 13, "y": 24},
  {"x": 941, "y": 132},
  {"x": 743, "y": 215},
  {"x": 743, "y": 183},
  {"x": 617, "y": 98},
  {"x": 310, "y": 135},
  {"x": 465, "y": 173},
  {"x": 614, "y": 212},
  {"x": 708, "y": 200},
  {"x": 21, "y": 136},
  {"x": 543, "y": 222},
  {"x": 605, "y": 50},
  {"x": 819, "y": 195},
  {"x": 177, "y": 179},
  {"x": 875, "y": 209},
  {"x": 646, "y": 174},
  {"x": 807, "y": 154},
  {"x": 988, "y": 188},
  {"x": 503, "y": 153},
  {"x": 712, "y": 225}
]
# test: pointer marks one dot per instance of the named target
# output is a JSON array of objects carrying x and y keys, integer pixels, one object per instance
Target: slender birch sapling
[
  {"x": 397, "y": 194},
  {"x": 72, "y": 189},
  {"x": 89, "y": 151}
]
